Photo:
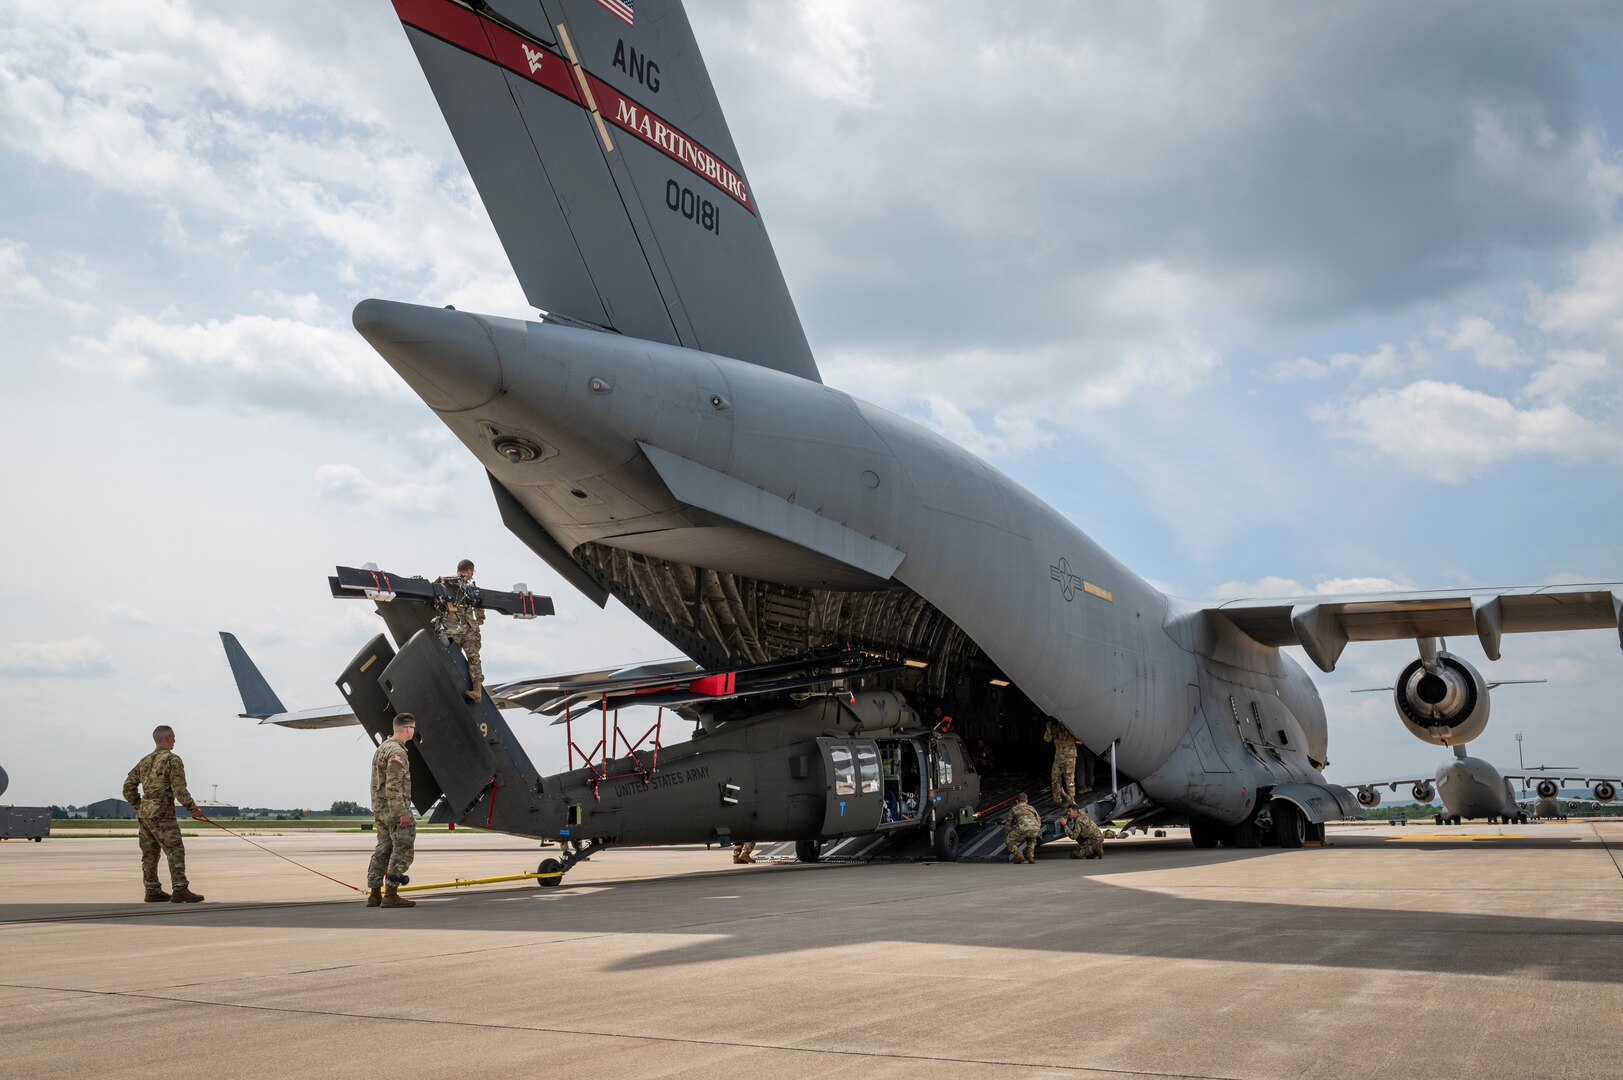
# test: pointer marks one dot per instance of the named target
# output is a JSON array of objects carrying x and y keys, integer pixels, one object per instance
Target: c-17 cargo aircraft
[
  {"x": 1472, "y": 788},
  {"x": 662, "y": 436}
]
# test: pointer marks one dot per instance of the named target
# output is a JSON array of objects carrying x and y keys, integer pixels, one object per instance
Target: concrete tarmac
[{"x": 1432, "y": 952}]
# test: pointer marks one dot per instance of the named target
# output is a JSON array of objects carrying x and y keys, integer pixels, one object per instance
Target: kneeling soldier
[
  {"x": 1023, "y": 825},
  {"x": 153, "y": 787},
  {"x": 391, "y": 816},
  {"x": 1090, "y": 842}
]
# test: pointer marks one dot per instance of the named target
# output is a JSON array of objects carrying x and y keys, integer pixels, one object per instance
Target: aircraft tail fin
[
  {"x": 258, "y": 699},
  {"x": 598, "y": 146}
]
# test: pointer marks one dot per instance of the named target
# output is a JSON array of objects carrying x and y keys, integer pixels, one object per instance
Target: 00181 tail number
[{"x": 696, "y": 208}]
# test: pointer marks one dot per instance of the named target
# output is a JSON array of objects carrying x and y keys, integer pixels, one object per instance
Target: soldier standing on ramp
[
  {"x": 1023, "y": 824},
  {"x": 391, "y": 816},
  {"x": 1063, "y": 781},
  {"x": 153, "y": 787},
  {"x": 1090, "y": 842},
  {"x": 460, "y": 618}
]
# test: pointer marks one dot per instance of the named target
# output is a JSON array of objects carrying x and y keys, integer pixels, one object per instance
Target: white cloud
[
  {"x": 1273, "y": 586},
  {"x": 358, "y": 492},
  {"x": 1381, "y": 364},
  {"x": 22, "y": 288},
  {"x": 1590, "y": 306},
  {"x": 253, "y": 361},
  {"x": 1568, "y": 374},
  {"x": 126, "y": 614},
  {"x": 81, "y": 657},
  {"x": 243, "y": 124},
  {"x": 1448, "y": 432},
  {"x": 1490, "y": 346}
]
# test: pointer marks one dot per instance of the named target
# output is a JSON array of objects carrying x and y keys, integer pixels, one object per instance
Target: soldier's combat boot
[
  {"x": 374, "y": 896},
  {"x": 392, "y": 898},
  {"x": 156, "y": 895},
  {"x": 184, "y": 895}
]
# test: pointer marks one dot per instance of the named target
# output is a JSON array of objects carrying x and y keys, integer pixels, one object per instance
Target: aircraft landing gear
[
  {"x": 808, "y": 850},
  {"x": 549, "y": 866},
  {"x": 1438, "y": 819},
  {"x": 945, "y": 842},
  {"x": 1244, "y": 835},
  {"x": 1204, "y": 832},
  {"x": 1290, "y": 826}
]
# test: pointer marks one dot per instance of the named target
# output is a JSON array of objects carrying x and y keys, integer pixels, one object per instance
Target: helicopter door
[{"x": 853, "y": 800}]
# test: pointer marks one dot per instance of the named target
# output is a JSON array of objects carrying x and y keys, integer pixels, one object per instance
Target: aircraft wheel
[
  {"x": 1243, "y": 835},
  {"x": 1438, "y": 819},
  {"x": 1456, "y": 820},
  {"x": 945, "y": 842},
  {"x": 549, "y": 866},
  {"x": 808, "y": 850},
  {"x": 1204, "y": 832},
  {"x": 1290, "y": 827}
]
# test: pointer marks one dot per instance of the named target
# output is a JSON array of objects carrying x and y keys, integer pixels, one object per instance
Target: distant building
[
  {"x": 213, "y": 809},
  {"x": 110, "y": 808}
]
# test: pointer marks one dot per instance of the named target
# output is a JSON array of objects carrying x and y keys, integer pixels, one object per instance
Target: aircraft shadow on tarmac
[{"x": 1059, "y": 906}]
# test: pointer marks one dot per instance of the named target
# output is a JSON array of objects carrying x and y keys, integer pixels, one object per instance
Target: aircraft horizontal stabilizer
[{"x": 1323, "y": 625}]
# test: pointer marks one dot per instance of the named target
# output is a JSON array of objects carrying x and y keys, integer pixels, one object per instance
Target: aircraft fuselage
[{"x": 657, "y": 471}]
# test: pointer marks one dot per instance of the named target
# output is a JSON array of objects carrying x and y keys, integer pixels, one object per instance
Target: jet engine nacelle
[
  {"x": 1424, "y": 790},
  {"x": 1547, "y": 789},
  {"x": 1605, "y": 791},
  {"x": 1368, "y": 796},
  {"x": 1445, "y": 707}
]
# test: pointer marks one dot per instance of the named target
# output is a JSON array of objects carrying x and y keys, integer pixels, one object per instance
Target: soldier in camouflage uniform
[
  {"x": 157, "y": 782},
  {"x": 1090, "y": 842},
  {"x": 391, "y": 817},
  {"x": 460, "y": 618},
  {"x": 1064, "y": 778},
  {"x": 742, "y": 852},
  {"x": 1022, "y": 825}
]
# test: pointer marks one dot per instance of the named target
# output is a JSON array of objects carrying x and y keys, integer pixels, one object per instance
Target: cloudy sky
[{"x": 1265, "y": 298}]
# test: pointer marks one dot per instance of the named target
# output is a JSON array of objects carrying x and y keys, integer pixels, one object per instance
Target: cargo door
[{"x": 853, "y": 803}]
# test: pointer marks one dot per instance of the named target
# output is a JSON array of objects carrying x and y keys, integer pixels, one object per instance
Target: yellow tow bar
[{"x": 460, "y": 883}]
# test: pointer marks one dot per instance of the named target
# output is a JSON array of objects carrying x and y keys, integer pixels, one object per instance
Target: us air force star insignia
[
  {"x": 1069, "y": 583},
  {"x": 534, "y": 56}
]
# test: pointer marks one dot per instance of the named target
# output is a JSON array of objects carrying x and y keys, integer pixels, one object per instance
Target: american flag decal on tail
[{"x": 620, "y": 9}]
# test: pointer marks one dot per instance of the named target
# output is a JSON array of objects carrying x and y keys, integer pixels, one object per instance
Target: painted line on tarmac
[{"x": 1608, "y": 849}]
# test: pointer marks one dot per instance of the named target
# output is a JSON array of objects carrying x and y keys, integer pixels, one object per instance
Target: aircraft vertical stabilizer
[
  {"x": 598, "y": 146},
  {"x": 258, "y": 699}
]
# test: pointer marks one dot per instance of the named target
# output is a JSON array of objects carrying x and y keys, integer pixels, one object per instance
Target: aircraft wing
[
  {"x": 1566, "y": 779},
  {"x": 1323, "y": 625},
  {"x": 1390, "y": 785}
]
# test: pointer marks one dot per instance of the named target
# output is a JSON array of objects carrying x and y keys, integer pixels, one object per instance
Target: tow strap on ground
[
  {"x": 458, "y": 883},
  {"x": 279, "y": 855},
  {"x": 463, "y": 882}
]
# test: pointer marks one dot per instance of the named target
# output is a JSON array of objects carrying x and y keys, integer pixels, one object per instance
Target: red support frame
[{"x": 607, "y": 749}]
